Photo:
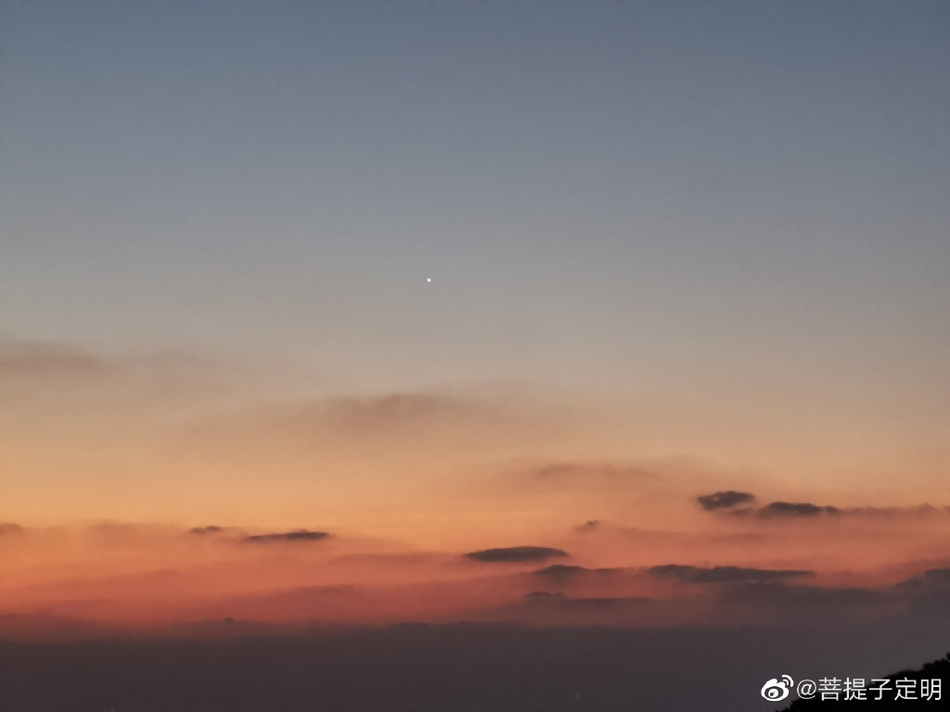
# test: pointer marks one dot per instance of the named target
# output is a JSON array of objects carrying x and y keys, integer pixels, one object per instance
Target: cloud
[
  {"x": 386, "y": 559},
  {"x": 561, "y": 599},
  {"x": 922, "y": 510},
  {"x": 929, "y": 590},
  {"x": 402, "y": 414},
  {"x": 516, "y": 554},
  {"x": 589, "y": 525},
  {"x": 594, "y": 476},
  {"x": 34, "y": 376},
  {"x": 729, "y": 499},
  {"x": 299, "y": 535},
  {"x": 560, "y": 571},
  {"x": 603, "y": 601},
  {"x": 724, "y": 499},
  {"x": 724, "y": 574},
  {"x": 571, "y": 472},
  {"x": 45, "y": 360},
  {"x": 931, "y": 578},
  {"x": 795, "y": 509},
  {"x": 212, "y": 529},
  {"x": 807, "y": 509},
  {"x": 28, "y": 361},
  {"x": 804, "y": 598},
  {"x": 400, "y": 409},
  {"x": 10, "y": 528},
  {"x": 565, "y": 572},
  {"x": 544, "y": 596},
  {"x": 413, "y": 426}
]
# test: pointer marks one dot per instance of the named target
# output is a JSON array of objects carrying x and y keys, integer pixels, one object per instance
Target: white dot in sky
[{"x": 428, "y": 279}]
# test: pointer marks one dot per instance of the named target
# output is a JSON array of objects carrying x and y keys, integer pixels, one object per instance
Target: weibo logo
[{"x": 775, "y": 690}]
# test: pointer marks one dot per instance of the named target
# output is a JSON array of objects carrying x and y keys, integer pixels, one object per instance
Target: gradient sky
[
  {"x": 674, "y": 249},
  {"x": 637, "y": 195}
]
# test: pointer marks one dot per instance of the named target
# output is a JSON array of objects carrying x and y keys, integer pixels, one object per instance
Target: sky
[{"x": 388, "y": 312}]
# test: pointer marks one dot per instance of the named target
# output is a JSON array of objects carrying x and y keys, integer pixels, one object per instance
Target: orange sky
[{"x": 110, "y": 462}]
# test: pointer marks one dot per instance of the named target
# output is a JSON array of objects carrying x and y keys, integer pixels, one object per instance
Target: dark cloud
[
  {"x": 516, "y": 554},
  {"x": 730, "y": 500},
  {"x": 561, "y": 599},
  {"x": 560, "y": 571},
  {"x": 605, "y": 601},
  {"x": 10, "y": 528},
  {"x": 565, "y": 572},
  {"x": 212, "y": 529},
  {"x": 589, "y": 525},
  {"x": 724, "y": 574},
  {"x": 927, "y": 591},
  {"x": 299, "y": 535},
  {"x": 941, "y": 576},
  {"x": 789, "y": 510},
  {"x": 795, "y": 509},
  {"x": 923, "y": 510},
  {"x": 804, "y": 598},
  {"x": 724, "y": 499},
  {"x": 930, "y": 579},
  {"x": 544, "y": 597}
]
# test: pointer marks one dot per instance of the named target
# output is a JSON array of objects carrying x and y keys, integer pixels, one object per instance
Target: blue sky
[{"x": 634, "y": 195}]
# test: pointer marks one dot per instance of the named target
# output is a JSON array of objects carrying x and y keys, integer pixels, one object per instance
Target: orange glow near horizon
[{"x": 141, "y": 495}]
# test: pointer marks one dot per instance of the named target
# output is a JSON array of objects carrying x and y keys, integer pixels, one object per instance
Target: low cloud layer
[
  {"x": 162, "y": 575},
  {"x": 724, "y": 574},
  {"x": 561, "y": 599},
  {"x": 931, "y": 578}
]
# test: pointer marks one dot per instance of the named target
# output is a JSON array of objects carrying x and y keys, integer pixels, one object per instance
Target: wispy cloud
[{"x": 42, "y": 360}]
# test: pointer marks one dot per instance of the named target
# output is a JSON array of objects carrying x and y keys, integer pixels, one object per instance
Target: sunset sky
[{"x": 379, "y": 312}]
